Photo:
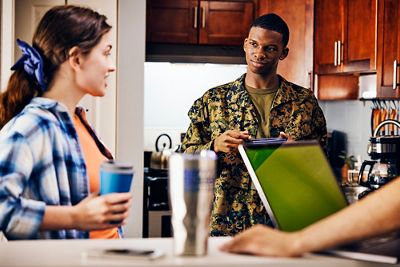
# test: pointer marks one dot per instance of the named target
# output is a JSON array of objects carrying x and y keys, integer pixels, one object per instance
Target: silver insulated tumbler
[{"x": 191, "y": 188}]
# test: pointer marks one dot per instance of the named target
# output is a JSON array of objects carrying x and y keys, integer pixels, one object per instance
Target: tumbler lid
[{"x": 113, "y": 165}]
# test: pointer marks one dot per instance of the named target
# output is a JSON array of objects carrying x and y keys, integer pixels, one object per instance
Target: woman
[{"x": 44, "y": 189}]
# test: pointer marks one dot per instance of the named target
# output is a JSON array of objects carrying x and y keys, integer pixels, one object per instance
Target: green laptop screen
[{"x": 298, "y": 183}]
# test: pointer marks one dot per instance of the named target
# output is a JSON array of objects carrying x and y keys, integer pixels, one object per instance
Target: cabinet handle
[
  {"x": 203, "y": 18},
  {"x": 339, "y": 57},
  {"x": 195, "y": 17},
  {"x": 335, "y": 55},
  {"x": 394, "y": 74}
]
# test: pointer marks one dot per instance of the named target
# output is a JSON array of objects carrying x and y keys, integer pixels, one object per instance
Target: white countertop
[{"x": 72, "y": 253}]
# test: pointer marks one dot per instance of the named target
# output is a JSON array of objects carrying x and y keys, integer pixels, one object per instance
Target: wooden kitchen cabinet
[
  {"x": 344, "y": 36},
  {"x": 199, "y": 22},
  {"x": 172, "y": 21},
  {"x": 225, "y": 22},
  {"x": 388, "y": 57},
  {"x": 298, "y": 14}
]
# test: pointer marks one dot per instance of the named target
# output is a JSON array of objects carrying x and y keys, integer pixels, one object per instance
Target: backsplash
[{"x": 352, "y": 118}]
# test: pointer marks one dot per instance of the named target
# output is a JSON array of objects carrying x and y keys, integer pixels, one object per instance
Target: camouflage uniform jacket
[{"x": 294, "y": 111}]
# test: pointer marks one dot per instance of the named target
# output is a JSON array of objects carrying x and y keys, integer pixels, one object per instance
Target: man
[
  {"x": 377, "y": 214},
  {"x": 258, "y": 104}
]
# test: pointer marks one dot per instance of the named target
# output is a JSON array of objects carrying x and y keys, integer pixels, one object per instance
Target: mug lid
[{"x": 113, "y": 164}]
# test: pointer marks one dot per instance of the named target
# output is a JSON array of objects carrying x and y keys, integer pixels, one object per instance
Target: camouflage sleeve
[
  {"x": 198, "y": 135},
  {"x": 319, "y": 124}
]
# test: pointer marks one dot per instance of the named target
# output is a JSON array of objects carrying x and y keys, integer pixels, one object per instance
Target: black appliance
[
  {"x": 156, "y": 210},
  {"x": 336, "y": 147},
  {"x": 385, "y": 164}
]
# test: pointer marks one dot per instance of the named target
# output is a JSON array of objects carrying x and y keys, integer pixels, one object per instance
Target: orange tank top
[{"x": 93, "y": 159}]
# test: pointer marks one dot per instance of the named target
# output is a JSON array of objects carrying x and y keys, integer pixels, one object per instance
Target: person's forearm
[
  {"x": 58, "y": 217},
  {"x": 376, "y": 214}
]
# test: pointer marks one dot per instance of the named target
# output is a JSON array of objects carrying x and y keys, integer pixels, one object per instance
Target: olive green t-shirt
[{"x": 262, "y": 99}]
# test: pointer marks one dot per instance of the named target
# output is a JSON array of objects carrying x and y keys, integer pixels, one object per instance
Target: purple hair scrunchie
[{"x": 32, "y": 62}]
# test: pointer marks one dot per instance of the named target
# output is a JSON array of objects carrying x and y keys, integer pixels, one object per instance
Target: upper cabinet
[
  {"x": 172, "y": 21},
  {"x": 345, "y": 33},
  {"x": 297, "y": 67},
  {"x": 199, "y": 22},
  {"x": 225, "y": 22},
  {"x": 388, "y": 58}
]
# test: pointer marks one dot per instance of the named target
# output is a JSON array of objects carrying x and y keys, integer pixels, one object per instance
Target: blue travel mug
[{"x": 115, "y": 177}]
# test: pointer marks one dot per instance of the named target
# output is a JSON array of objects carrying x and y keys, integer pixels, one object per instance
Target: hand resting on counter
[{"x": 356, "y": 222}]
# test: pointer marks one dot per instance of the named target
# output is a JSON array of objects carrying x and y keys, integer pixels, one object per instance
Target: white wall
[
  {"x": 130, "y": 80},
  {"x": 170, "y": 90},
  {"x": 351, "y": 117},
  {"x": 7, "y": 41}
]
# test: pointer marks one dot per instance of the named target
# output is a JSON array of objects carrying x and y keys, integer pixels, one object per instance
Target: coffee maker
[{"x": 385, "y": 164}]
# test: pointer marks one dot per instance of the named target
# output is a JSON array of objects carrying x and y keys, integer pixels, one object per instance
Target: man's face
[{"x": 264, "y": 49}]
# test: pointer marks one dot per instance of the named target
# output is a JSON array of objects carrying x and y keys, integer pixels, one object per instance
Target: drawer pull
[
  {"x": 335, "y": 54},
  {"x": 195, "y": 17},
  {"x": 395, "y": 65}
]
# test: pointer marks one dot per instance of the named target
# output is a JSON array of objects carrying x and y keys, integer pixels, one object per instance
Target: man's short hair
[{"x": 273, "y": 22}]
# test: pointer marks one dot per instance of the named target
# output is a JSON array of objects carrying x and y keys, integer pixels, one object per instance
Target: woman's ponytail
[{"x": 20, "y": 91}]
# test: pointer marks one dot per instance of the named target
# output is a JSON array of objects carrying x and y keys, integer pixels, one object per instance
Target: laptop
[{"x": 297, "y": 187}]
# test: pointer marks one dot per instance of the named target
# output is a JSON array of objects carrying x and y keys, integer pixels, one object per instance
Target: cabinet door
[
  {"x": 328, "y": 31},
  {"x": 298, "y": 14},
  {"x": 388, "y": 48},
  {"x": 225, "y": 23},
  {"x": 359, "y": 43},
  {"x": 172, "y": 21},
  {"x": 28, "y": 13}
]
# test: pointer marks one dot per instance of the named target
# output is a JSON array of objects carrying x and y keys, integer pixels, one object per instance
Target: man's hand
[
  {"x": 230, "y": 140},
  {"x": 285, "y": 136},
  {"x": 264, "y": 241}
]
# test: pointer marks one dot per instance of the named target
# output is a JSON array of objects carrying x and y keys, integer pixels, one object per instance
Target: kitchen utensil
[
  {"x": 353, "y": 193},
  {"x": 384, "y": 146},
  {"x": 159, "y": 158},
  {"x": 392, "y": 116},
  {"x": 383, "y": 113},
  {"x": 380, "y": 173},
  {"x": 375, "y": 118}
]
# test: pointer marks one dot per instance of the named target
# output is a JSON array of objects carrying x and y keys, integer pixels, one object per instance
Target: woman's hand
[
  {"x": 101, "y": 212},
  {"x": 264, "y": 241},
  {"x": 230, "y": 140}
]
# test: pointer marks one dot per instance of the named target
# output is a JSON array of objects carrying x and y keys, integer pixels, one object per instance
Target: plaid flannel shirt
[{"x": 41, "y": 163}]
